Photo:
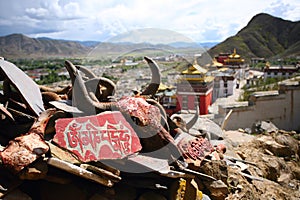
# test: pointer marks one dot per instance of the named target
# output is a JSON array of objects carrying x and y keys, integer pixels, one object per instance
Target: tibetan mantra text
[{"x": 104, "y": 136}]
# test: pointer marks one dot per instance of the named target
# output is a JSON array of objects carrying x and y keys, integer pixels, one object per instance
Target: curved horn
[
  {"x": 82, "y": 99},
  {"x": 86, "y": 71},
  {"x": 72, "y": 70},
  {"x": 93, "y": 85},
  {"x": 193, "y": 121},
  {"x": 178, "y": 120},
  {"x": 155, "y": 80}
]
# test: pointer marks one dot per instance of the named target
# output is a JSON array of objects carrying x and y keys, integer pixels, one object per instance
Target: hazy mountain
[
  {"x": 264, "y": 36},
  {"x": 21, "y": 46}
]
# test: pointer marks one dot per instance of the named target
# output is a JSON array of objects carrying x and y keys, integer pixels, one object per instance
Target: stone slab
[{"x": 104, "y": 136}]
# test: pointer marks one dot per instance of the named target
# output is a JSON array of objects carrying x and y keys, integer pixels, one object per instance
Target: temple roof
[
  {"x": 194, "y": 69},
  {"x": 234, "y": 54}
]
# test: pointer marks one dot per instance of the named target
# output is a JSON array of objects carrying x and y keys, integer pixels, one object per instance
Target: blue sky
[{"x": 100, "y": 20}]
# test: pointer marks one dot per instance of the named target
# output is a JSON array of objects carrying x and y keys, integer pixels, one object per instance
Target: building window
[
  {"x": 225, "y": 92},
  {"x": 225, "y": 84}
]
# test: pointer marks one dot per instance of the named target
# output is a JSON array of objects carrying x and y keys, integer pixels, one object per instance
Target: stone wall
[{"x": 282, "y": 109}]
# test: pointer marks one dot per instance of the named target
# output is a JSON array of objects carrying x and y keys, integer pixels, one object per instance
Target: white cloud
[
  {"x": 39, "y": 12},
  {"x": 200, "y": 20}
]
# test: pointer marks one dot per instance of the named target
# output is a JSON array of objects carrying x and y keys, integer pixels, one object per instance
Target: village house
[
  {"x": 36, "y": 74},
  {"x": 224, "y": 83},
  {"x": 280, "y": 71}
]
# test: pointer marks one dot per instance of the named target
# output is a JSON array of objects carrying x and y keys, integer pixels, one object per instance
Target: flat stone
[
  {"x": 218, "y": 190},
  {"x": 104, "y": 136},
  {"x": 153, "y": 164},
  {"x": 28, "y": 89},
  {"x": 22, "y": 151},
  {"x": 276, "y": 148},
  {"x": 62, "y": 154},
  {"x": 237, "y": 138},
  {"x": 78, "y": 171}
]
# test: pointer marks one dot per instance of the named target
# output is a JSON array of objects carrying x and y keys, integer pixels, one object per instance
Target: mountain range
[{"x": 264, "y": 36}]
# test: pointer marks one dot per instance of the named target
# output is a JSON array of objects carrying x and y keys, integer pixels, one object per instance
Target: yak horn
[
  {"x": 178, "y": 120},
  {"x": 82, "y": 99},
  {"x": 93, "y": 86},
  {"x": 72, "y": 70},
  {"x": 155, "y": 80},
  {"x": 193, "y": 121},
  {"x": 86, "y": 71}
]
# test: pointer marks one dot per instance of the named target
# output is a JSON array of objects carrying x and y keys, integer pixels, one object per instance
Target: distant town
[{"x": 248, "y": 92}]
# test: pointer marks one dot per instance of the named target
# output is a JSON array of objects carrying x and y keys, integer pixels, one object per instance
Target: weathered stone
[
  {"x": 25, "y": 86},
  {"x": 272, "y": 168},
  {"x": 62, "y": 154},
  {"x": 25, "y": 149},
  {"x": 278, "y": 176},
  {"x": 215, "y": 168},
  {"x": 22, "y": 151},
  {"x": 241, "y": 154},
  {"x": 285, "y": 178},
  {"x": 150, "y": 163},
  {"x": 295, "y": 168},
  {"x": 264, "y": 127},
  {"x": 193, "y": 149},
  {"x": 291, "y": 143},
  {"x": 101, "y": 172},
  {"x": 104, "y": 136},
  {"x": 35, "y": 171},
  {"x": 218, "y": 190},
  {"x": 276, "y": 148},
  {"x": 235, "y": 138},
  {"x": 73, "y": 169}
]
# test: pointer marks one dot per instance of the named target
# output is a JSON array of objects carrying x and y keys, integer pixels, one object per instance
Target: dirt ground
[{"x": 270, "y": 167}]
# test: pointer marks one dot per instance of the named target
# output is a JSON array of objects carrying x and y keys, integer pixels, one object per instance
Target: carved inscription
[{"x": 104, "y": 136}]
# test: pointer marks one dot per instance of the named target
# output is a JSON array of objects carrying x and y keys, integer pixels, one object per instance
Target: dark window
[{"x": 225, "y": 84}]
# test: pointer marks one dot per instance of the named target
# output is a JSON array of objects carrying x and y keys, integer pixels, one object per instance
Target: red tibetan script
[{"x": 104, "y": 136}]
